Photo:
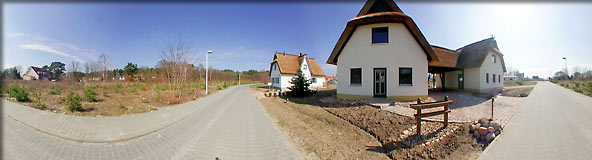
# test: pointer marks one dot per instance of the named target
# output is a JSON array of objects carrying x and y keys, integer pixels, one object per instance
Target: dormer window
[{"x": 380, "y": 35}]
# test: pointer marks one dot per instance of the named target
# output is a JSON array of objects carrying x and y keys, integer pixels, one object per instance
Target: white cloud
[
  {"x": 14, "y": 35},
  {"x": 45, "y": 48}
]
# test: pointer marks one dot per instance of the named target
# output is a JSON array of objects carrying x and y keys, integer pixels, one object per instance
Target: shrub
[
  {"x": 90, "y": 95},
  {"x": 117, "y": 88},
  {"x": 300, "y": 86},
  {"x": 19, "y": 93},
  {"x": 105, "y": 94},
  {"x": 55, "y": 90},
  {"x": 162, "y": 87},
  {"x": 73, "y": 102},
  {"x": 39, "y": 101}
]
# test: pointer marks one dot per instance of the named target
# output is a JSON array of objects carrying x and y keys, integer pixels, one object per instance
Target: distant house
[
  {"x": 285, "y": 66},
  {"x": 331, "y": 78},
  {"x": 35, "y": 73},
  {"x": 510, "y": 78},
  {"x": 382, "y": 53}
]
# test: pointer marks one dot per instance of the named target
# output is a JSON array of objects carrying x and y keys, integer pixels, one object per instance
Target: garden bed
[{"x": 398, "y": 137}]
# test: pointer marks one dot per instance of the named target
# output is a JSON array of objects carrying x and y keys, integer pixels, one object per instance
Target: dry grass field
[{"x": 108, "y": 98}]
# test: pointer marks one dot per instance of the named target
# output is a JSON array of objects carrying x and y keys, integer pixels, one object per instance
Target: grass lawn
[
  {"x": 110, "y": 98},
  {"x": 519, "y": 83},
  {"x": 583, "y": 87}
]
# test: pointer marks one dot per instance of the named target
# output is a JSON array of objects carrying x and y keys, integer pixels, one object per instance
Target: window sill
[
  {"x": 379, "y": 43},
  {"x": 355, "y": 85},
  {"x": 405, "y": 85}
]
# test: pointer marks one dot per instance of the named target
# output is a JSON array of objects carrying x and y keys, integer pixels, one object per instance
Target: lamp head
[{"x": 210, "y": 52}]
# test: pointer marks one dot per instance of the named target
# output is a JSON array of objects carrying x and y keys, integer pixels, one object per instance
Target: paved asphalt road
[
  {"x": 235, "y": 127},
  {"x": 553, "y": 123}
]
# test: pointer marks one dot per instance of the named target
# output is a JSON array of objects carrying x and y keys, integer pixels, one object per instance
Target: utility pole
[
  {"x": 209, "y": 52},
  {"x": 566, "y": 68}
]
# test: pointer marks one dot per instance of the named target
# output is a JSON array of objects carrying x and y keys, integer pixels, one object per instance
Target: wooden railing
[{"x": 419, "y": 106}]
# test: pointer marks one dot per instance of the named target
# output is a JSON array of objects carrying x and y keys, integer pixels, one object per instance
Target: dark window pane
[
  {"x": 493, "y": 78},
  {"x": 486, "y": 77},
  {"x": 356, "y": 76},
  {"x": 380, "y": 35},
  {"x": 405, "y": 76}
]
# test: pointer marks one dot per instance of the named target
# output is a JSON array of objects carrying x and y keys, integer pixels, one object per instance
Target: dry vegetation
[
  {"x": 111, "y": 98},
  {"x": 581, "y": 86}
]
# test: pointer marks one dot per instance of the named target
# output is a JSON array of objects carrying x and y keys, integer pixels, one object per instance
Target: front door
[
  {"x": 379, "y": 82},
  {"x": 461, "y": 84}
]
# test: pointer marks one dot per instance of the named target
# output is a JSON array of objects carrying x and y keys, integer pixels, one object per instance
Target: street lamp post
[
  {"x": 239, "y": 73},
  {"x": 209, "y": 52},
  {"x": 566, "y": 67}
]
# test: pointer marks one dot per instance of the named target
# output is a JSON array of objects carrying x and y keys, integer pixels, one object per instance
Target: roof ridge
[{"x": 492, "y": 38}]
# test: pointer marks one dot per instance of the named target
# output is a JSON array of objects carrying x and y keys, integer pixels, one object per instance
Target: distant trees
[
  {"x": 131, "y": 69},
  {"x": 73, "y": 70},
  {"x": 174, "y": 55},
  {"x": 56, "y": 69},
  {"x": 11, "y": 74},
  {"x": 103, "y": 65}
]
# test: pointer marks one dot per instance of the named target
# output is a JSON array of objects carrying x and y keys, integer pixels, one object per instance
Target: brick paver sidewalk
[{"x": 462, "y": 111}]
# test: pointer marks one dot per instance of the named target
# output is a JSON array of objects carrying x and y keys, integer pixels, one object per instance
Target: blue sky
[{"x": 532, "y": 36}]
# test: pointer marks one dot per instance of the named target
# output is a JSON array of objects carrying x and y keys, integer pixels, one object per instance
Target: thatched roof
[
  {"x": 289, "y": 64},
  {"x": 469, "y": 56},
  {"x": 381, "y": 11}
]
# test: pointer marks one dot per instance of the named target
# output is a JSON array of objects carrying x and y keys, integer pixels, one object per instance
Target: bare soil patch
[
  {"x": 517, "y": 91},
  {"x": 319, "y": 134},
  {"x": 398, "y": 135}
]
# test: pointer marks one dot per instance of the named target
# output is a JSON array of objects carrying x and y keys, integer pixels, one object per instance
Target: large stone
[
  {"x": 482, "y": 130},
  {"x": 495, "y": 125},
  {"x": 484, "y": 122},
  {"x": 490, "y": 130},
  {"x": 476, "y": 133},
  {"x": 489, "y": 137}
]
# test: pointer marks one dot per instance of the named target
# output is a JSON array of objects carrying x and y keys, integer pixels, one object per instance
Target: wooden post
[
  {"x": 446, "y": 110},
  {"x": 418, "y": 119}
]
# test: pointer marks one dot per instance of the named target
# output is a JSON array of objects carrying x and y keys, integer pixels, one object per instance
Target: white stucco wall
[
  {"x": 319, "y": 83},
  {"x": 472, "y": 78},
  {"x": 401, "y": 51},
  {"x": 30, "y": 75},
  {"x": 451, "y": 79},
  {"x": 275, "y": 73},
  {"x": 492, "y": 68}
]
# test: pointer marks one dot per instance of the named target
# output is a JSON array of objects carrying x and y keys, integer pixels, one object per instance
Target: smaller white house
[
  {"x": 35, "y": 73},
  {"x": 285, "y": 66}
]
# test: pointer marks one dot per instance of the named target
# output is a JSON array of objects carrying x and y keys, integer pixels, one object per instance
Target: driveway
[
  {"x": 230, "y": 125},
  {"x": 553, "y": 123}
]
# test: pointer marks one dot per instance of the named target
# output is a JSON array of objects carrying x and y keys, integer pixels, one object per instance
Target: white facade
[
  {"x": 402, "y": 50},
  {"x": 30, "y": 74},
  {"x": 282, "y": 81},
  {"x": 475, "y": 79}
]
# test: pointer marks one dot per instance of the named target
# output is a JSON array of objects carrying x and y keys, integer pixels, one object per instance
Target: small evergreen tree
[{"x": 300, "y": 86}]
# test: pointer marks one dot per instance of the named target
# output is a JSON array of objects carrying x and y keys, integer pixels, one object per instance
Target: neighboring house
[
  {"x": 477, "y": 67},
  {"x": 331, "y": 78},
  {"x": 121, "y": 78},
  {"x": 285, "y": 66},
  {"x": 35, "y": 73},
  {"x": 510, "y": 78},
  {"x": 382, "y": 53}
]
